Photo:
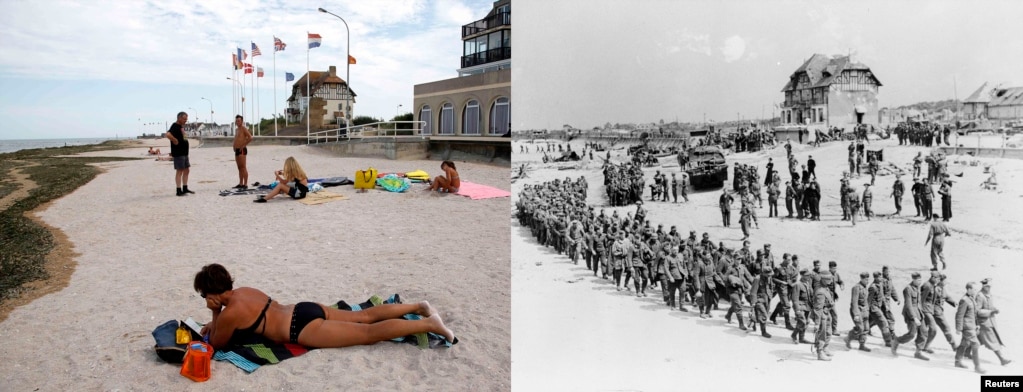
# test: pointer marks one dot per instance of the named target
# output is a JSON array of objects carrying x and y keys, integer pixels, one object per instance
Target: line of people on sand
[
  {"x": 922, "y": 134},
  {"x": 702, "y": 273},
  {"x": 291, "y": 180}
]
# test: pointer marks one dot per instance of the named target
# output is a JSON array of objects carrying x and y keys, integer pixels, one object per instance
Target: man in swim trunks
[
  {"x": 306, "y": 323},
  {"x": 241, "y": 151}
]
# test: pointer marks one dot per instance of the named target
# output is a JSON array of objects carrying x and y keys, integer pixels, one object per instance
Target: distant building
[
  {"x": 332, "y": 91},
  {"x": 1006, "y": 105},
  {"x": 999, "y": 105},
  {"x": 830, "y": 91},
  {"x": 975, "y": 106},
  {"x": 478, "y": 101}
]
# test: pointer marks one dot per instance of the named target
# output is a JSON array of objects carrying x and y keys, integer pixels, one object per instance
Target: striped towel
[{"x": 250, "y": 357}]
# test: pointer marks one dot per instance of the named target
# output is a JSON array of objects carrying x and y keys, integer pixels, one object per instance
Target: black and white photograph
[{"x": 766, "y": 194}]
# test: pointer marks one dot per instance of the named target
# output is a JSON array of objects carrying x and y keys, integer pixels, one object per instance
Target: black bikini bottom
[{"x": 304, "y": 313}]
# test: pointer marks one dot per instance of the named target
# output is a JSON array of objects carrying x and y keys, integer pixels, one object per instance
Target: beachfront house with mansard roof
[
  {"x": 336, "y": 100},
  {"x": 830, "y": 91}
]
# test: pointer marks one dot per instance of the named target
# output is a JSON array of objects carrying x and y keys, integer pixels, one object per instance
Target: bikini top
[{"x": 249, "y": 334}]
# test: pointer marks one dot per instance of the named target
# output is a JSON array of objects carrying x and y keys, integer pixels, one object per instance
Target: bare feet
[
  {"x": 426, "y": 310},
  {"x": 441, "y": 329}
]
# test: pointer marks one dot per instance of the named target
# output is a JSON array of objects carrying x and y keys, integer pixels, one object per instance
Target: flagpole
[
  {"x": 309, "y": 95},
  {"x": 234, "y": 93},
  {"x": 252, "y": 95},
  {"x": 255, "y": 76},
  {"x": 275, "y": 86},
  {"x": 242, "y": 91}
]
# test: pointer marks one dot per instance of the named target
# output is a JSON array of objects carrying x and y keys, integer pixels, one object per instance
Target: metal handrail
[{"x": 358, "y": 131}]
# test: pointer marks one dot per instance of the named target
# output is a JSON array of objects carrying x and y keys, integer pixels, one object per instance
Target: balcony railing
[
  {"x": 489, "y": 56},
  {"x": 804, "y": 103},
  {"x": 492, "y": 21}
]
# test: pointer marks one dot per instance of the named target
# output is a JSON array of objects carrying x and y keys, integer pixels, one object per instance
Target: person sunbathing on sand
[
  {"x": 292, "y": 172},
  {"x": 153, "y": 151},
  {"x": 448, "y": 182},
  {"x": 245, "y": 312}
]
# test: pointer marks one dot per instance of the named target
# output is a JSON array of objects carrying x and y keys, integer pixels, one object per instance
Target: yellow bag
[
  {"x": 366, "y": 179},
  {"x": 417, "y": 175}
]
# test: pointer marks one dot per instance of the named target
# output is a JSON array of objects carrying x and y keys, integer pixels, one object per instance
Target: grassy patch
[{"x": 24, "y": 244}]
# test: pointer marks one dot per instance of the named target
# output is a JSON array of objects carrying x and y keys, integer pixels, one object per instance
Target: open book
[{"x": 194, "y": 326}]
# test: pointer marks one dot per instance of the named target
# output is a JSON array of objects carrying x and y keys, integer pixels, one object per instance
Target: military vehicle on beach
[{"x": 707, "y": 167}]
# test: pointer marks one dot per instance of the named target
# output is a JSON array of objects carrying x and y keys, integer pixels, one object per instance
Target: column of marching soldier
[{"x": 687, "y": 270}]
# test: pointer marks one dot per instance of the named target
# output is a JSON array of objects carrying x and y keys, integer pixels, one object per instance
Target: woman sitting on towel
[
  {"x": 292, "y": 172},
  {"x": 240, "y": 313},
  {"x": 449, "y": 182}
]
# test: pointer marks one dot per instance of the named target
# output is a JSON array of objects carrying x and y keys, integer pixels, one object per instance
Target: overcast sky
[
  {"x": 94, "y": 68},
  {"x": 587, "y": 62}
]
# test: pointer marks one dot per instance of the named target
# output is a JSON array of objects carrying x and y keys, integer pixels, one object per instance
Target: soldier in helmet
[
  {"x": 912, "y": 311},
  {"x": 802, "y": 298},
  {"x": 823, "y": 303},
  {"x": 876, "y": 306},
  {"x": 762, "y": 292},
  {"x": 859, "y": 309}
]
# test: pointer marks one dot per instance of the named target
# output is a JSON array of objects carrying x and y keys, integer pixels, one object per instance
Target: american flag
[
  {"x": 255, "y": 50},
  {"x": 278, "y": 44}
]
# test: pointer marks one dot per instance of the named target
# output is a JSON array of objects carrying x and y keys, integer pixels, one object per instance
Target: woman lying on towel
[
  {"x": 449, "y": 182},
  {"x": 292, "y": 172},
  {"x": 245, "y": 311}
]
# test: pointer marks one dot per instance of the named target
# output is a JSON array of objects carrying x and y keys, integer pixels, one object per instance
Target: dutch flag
[{"x": 314, "y": 40}]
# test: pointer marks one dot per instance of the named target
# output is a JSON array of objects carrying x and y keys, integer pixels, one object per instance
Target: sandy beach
[
  {"x": 137, "y": 248},
  {"x": 581, "y": 334}
]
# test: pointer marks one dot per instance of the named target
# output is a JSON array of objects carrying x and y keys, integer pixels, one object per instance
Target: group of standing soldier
[
  {"x": 922, "y": 134},
  {"x": 668, "y": 190},
  {"x": 623, "y": 183}
]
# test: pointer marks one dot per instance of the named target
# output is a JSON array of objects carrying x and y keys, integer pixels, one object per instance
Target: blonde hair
[{"x": 293, "y": 170}]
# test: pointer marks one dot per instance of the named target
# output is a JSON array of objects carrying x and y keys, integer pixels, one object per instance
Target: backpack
[{"x": 166, "y": 342}]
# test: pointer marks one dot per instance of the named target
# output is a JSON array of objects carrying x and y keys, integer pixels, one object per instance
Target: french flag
[{"x": 314, "y": 40}]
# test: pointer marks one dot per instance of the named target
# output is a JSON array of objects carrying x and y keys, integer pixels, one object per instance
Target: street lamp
[
  {"x": 397, "y": 111},
  {"x": 348, "y": 94},
  {"x": 211, "y": 108}
]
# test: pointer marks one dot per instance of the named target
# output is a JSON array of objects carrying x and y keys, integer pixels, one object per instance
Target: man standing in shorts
[
  {"x": 241, "y": 151},
  {"x": 179, "y": 152}
]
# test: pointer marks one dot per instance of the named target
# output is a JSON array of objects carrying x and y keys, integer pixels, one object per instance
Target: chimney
[{"x": 333, "y": 70}]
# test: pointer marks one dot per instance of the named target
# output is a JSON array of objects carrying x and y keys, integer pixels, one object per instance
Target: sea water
[{"x": 25, "y": 144}]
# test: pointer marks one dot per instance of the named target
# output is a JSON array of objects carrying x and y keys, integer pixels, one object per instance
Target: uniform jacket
[
  {"x": 705, "y": 273},
  {"x": 984, "y": 307},
  {"x": 801, "y": 296},
  {"x": 927, "y": 297},
  {"x": 941, "y": 296},
  {"x": 762, "y": 289},
  {"x": 912, "y": 308},
  {"x": 858, "y": 304},
  {"x": 966, "y": 315},
  {"x": 889, "y": 291},
  {"x": 823, "y": 301},
  {"x": 875, "y": 297}
]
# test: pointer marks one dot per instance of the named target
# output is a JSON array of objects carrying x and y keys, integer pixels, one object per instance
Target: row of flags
[{"x": 238, "y": 59}]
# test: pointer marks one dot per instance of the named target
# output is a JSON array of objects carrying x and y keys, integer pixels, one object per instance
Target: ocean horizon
[{"x": 12, "y": 145}]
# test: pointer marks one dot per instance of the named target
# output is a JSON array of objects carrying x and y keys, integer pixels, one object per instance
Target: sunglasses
[{"x": 203, "y": 295}]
